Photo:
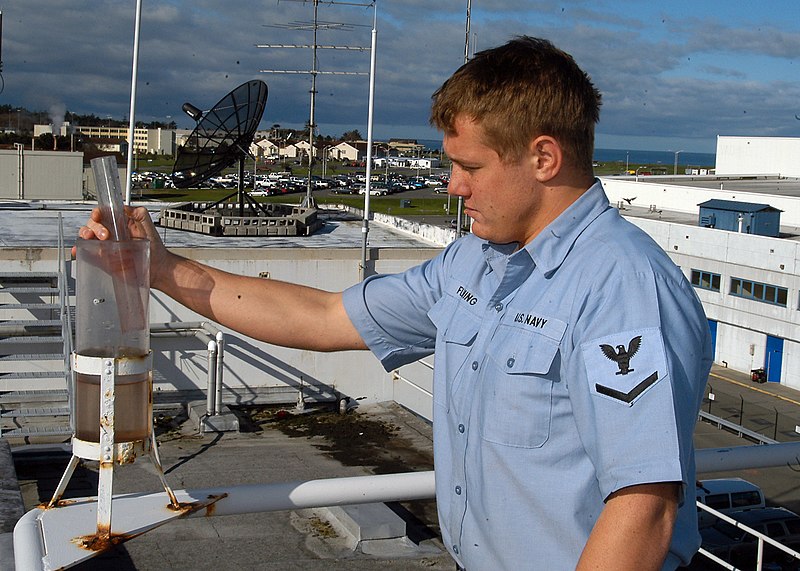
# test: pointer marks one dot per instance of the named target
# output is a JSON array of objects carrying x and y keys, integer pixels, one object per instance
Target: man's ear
[{"x": 547, "y": 157}]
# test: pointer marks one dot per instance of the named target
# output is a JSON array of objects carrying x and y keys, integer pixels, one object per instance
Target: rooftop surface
[
  {"x": 35, "y": 224},
  {"x": 281, "y": 447}
]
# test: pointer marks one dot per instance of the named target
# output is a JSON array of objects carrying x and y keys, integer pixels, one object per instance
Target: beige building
[
  {"x": 40, "y": 175},
  {"x": 158, "y": 141}
]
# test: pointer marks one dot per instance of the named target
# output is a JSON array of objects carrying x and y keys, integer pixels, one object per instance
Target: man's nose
[{"x": 457, "y": 187}]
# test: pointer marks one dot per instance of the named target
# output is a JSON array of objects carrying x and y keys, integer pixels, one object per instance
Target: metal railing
[
  {"x": 396, "y": 376},
  {"x": 760, "y": 537}
]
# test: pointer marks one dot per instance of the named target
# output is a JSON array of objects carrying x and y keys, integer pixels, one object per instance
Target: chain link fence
[{"x": 767, "y": 421}]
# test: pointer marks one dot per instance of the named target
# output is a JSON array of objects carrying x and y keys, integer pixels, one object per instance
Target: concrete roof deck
[{"x": 35, "y": 224}]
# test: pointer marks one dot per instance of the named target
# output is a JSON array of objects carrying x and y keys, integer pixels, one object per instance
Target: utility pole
[{"x": 460, "y": 213}]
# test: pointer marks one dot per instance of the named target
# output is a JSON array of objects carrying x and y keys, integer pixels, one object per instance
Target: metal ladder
[{"x": 35, "y": 347}]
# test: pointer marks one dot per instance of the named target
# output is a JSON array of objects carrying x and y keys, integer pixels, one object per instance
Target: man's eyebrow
[{"x": 464, "y": 164}]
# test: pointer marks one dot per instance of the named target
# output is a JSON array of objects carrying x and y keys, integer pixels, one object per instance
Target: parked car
[
  {"x": 373, "y": 191},
  {"x": 739, "y": 547},
  {"x": 726, "y": 495}
]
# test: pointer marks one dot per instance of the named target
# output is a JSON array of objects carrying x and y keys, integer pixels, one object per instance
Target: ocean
[
  {"x": 623, "y": 156},
  {"x": 655, "y": 158}
]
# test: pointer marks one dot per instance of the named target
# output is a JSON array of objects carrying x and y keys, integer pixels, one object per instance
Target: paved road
[{"x": 761, "y": 404}]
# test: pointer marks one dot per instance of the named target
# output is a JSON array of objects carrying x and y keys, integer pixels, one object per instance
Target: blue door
[
  {"x": 712, "y": 326},
  {"x": 773, "y": 359}
]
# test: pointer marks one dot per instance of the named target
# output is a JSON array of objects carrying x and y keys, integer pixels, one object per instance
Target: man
[{"x": 571, "y": 353}]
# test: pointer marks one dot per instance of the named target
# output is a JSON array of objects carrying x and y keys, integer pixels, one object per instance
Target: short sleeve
[
  {"x": 390, "y": 313},
  {"x": 636, "y": 374}
]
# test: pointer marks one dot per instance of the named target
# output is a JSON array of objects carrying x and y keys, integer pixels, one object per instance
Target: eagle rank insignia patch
[{"x": 623, "y": 366}]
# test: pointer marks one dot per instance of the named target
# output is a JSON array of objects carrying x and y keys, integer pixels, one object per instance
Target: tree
[{"x": 353, "y": 135}]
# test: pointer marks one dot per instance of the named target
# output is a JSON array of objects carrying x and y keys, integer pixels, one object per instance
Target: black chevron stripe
[{"x": 629, "y": 396}]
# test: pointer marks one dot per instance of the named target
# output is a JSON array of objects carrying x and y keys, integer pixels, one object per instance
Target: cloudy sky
[{"x": 673, "y": 74}]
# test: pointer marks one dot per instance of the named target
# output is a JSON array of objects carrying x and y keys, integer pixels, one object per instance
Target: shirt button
[
  {"x": 455, "y": 549},
  {"x": 499, "y": 307},
  {"x": 458, "y": 490},
  {"x": 461, "y": 428},
  {"x": 510, "y": 362},
  {"x": 474, "y": 365}
]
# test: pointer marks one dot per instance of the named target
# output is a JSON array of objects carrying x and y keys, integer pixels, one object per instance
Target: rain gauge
[{"x": 112, "y": 412}]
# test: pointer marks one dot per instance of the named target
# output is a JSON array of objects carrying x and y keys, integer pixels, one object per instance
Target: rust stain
[
  {"x": 184, "y": 507},
  {"x": 189, "y": 507},
  {"x": 57, "y": 504},
  {"x": 101, "y": 542},
  {"x": 211, "y": 508}
]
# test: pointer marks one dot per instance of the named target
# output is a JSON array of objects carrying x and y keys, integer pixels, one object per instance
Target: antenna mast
[
  {"x": 314, "y": 26},
  {"x": 460, "y": 214},
  {"x": 2, "y": 81}
]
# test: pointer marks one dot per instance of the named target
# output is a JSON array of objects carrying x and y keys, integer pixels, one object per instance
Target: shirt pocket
[
  {"x": 517, "y": 388},
  {"x": 456, "y": 329}
]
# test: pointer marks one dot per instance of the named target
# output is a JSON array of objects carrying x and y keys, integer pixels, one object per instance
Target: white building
[
  {"x": 749, "y": 285},
  {"x": 758, "y": 155},
  {"x": 264, "y": 148},
  {"x": 348, "y": 152}
]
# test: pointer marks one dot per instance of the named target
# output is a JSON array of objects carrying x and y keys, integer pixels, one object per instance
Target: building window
[
  {"x": 705, "y": 280},
  {"x": 758, "y": 291}
]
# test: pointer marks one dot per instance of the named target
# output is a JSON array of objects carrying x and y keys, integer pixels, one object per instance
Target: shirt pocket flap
[
  {"x": 455, "y": 324},
  {"x": 528, "y": 354}
]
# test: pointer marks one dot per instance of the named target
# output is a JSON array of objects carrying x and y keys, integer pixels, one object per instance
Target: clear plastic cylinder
[{"x": 112, "y": 294}]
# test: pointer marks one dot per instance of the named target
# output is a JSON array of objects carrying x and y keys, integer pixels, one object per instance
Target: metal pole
[
  {"x": 132, "y": 121},
  {"x": 744, "y": 457},
  {"x": 20, "y": 170},
  {"x": 741, "y": 410},
  {"x": 365, "y": 228},
  {"x": 254, "y": 498},
  {"x": 775, "y": 431},
  {"x": 220, "y": 337},
  {"x": 211, "y": 388},
  {"x": 309, "y": 200},
  {"x": 460, "y": 213},
  {"x": 675, "y": 170}
]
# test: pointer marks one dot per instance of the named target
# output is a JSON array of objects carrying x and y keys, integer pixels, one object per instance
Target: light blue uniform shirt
[{"x": 564, "y": 371}]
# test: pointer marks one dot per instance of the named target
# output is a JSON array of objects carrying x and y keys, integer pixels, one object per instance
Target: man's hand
[{"x": 140, "y": 225}]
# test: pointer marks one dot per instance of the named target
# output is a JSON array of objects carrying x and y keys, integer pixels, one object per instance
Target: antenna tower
[{"x": 314, "y": 26}]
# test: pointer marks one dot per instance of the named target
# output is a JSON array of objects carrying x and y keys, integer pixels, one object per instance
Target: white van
[{"x": 727, "y": 495}]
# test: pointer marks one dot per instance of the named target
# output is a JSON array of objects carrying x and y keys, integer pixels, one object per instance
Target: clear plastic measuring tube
[
  {"x": 112, "y": 295},
  {"x": 109, "y": 197},
  {"x": 112, "y": 209}
]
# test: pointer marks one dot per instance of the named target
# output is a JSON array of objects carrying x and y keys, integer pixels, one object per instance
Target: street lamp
[
  {"x": 675, "y": 170},
  {"x": 637, "y": 172}
]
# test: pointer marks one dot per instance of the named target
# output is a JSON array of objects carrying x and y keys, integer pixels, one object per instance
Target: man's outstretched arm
[{"x": 269, "y": 310}]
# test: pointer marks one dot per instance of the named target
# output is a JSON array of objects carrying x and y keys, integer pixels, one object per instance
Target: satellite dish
[{"x": 222, "y": 136}]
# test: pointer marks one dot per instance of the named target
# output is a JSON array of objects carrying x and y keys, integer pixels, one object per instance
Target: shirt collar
[{"x": 550, "y": 247}]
